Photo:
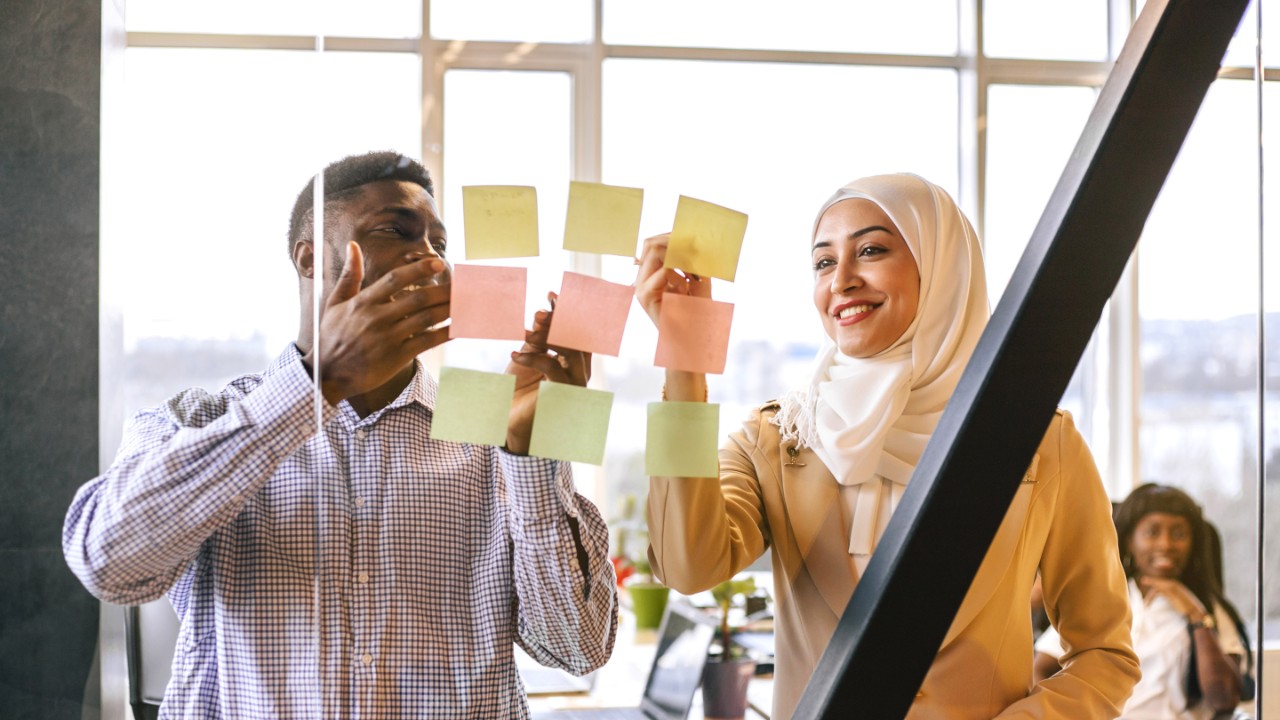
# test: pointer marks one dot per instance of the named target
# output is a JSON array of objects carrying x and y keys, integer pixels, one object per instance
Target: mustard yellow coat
[{"x": 704, "y": 531}]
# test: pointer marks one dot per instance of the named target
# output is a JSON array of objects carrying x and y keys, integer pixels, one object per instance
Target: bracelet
[
  {"x": 705, "y": 392},
  {"x": 1206, "y": 622}
]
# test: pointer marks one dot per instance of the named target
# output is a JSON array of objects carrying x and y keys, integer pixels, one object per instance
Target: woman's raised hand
[{"x": 653, "y": 280}]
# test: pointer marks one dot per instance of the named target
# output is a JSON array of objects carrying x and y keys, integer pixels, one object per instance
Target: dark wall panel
[{"x": 50, "y": 63}]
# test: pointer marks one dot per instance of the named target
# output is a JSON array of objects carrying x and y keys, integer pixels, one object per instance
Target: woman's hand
[
  {"x": 1182, "y": 599},
  {"x": 534, "y": 362},
  {"x": 653, "y": 280}
]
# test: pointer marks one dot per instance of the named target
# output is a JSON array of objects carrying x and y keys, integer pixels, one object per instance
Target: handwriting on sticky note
[
  {"x": 487, "y": 302},
  {"x": 499, "y": 221},
  {"x": 472, "y": 406},
  {"x": 603, "y": 219},
  {"x": 682, "y": 440},
  {"x": 570, "y": 423},
  {"x": 590, "y": 314},
  {"x": 706, "y": 239},
  {"x": 693, "y": 334}
]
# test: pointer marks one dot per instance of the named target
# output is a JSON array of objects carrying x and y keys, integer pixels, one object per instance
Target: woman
[
  {"x": 899, "y": 287},
  {"x": 1184, "y": 630}
]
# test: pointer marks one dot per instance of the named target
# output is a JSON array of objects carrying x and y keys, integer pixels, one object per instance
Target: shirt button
[
  {"x": 362, "y": 578},
  {"x": 359, "y": 502},
  {"x": 366, "y": 658},
  {"x": 362, "y": 433}
]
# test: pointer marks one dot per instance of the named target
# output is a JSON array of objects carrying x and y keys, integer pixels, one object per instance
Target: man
[{"x": 364, "y": 570}]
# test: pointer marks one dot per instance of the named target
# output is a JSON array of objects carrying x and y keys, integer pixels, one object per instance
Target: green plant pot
[
  {"x": 724, "y": 688},
  {"x": 648, "y": 601}
]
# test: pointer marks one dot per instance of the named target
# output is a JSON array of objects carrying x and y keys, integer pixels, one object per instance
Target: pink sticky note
[
  {"x": 693, "y": 334},
  {"x": 590, "y": 314},
  {"x": 487, "y": 302}
]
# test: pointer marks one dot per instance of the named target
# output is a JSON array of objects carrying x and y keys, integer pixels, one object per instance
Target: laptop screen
[{"x": 681, "y": 654}]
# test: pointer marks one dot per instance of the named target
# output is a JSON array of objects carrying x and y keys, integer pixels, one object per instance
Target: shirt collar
[{"x": 421, "y": 388}]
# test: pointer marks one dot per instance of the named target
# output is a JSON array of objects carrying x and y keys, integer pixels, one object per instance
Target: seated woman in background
[
  {"x": 1184, "y": 630},
  {"x": 900, "y": 289}
]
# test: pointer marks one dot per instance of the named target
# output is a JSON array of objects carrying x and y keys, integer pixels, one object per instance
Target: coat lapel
[{"x": 813, "y": 512}]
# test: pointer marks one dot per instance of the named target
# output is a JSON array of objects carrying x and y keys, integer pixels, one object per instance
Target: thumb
[{"x": 352, "y": 275}]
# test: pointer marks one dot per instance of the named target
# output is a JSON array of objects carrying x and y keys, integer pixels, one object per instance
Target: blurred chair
[{"x": 151, "y": 634}]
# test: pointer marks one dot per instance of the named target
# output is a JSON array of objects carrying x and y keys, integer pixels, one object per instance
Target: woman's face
[
  {"x": 1160, "y": 545},
  {"x": 866, "y": 284}
]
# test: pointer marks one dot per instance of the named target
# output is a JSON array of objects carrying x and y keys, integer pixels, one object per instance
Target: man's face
[{"x": 395, "y": 222}]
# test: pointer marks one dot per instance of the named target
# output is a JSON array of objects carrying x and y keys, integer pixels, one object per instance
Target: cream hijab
[{"x": 869, "y": 419}]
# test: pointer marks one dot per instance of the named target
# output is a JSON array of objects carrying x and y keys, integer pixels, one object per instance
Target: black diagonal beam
[{"x": 897, "y": 618}]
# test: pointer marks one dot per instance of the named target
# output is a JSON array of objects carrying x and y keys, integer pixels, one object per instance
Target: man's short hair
[{"x": 344, "y": 178}]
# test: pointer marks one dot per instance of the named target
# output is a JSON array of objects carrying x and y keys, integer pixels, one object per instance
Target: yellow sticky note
[
  {"x": 681, "y": 440},
  {"x": 500, "y": 221},
  {"x": 472, "y": 406},
  {"x": 706, "y": 239},
  {"x": 570, "y": 423},
  {"x": 603, "y": 219}
]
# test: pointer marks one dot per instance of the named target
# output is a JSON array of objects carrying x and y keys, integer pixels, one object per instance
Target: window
[{"x": 762, "y": 107}]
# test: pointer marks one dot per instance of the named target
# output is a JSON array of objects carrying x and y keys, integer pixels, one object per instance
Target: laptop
[{"x": 683, "y": 642}]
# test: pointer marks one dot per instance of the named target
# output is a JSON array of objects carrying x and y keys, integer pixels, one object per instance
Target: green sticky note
[
  {"x": 603, "y": 219},
  {"x": 499, "y": 221},
  {"x": 570, "y": 423},
  {"x": 706, "y": 239},
  {"x": 472, "y": 406},
  {"x": 682, "y": 440}
]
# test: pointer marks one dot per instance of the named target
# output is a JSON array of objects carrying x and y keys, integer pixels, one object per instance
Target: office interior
[{"x": 150, "y": 151}]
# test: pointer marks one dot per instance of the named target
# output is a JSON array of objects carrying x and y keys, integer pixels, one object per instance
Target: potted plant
[
  {"x": 725, "y": 679},
  {"x": 648, "y": 596}
]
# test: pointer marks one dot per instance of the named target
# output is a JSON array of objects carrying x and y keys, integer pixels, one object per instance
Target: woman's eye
[
  {"x": 393, "y": 229},
  {"x": 439, "y": 246},
  {"x": 823, "y": 264},
  {"x": 870, "y": 251}
]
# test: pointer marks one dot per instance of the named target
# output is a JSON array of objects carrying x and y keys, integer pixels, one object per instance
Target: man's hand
[
  {"x": 369, "y": 334},
  {"x": 533, "y": 363}
]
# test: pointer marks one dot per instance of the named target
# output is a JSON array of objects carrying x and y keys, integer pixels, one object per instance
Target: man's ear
[{"x": 304, "y": 259}]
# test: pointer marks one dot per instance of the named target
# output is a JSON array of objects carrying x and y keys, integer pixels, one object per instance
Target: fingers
[
  {"x": 571, "y": 368},
  {"x": 424, "y": 341},
  {"x": 652, "y": 257},
  {"x": 420, "y": 321},
  {"x": 422, "y": 272},
  {"x": 352, "y": 275}
]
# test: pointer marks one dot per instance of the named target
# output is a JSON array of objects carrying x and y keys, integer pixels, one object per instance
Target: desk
[{"x": 621, "y": 682}]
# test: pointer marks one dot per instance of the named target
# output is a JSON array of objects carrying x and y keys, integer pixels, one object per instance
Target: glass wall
[{"x": 762, "y": 107}]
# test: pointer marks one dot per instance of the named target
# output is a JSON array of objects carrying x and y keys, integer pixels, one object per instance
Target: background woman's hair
[{"x": 1198, "y": 574}]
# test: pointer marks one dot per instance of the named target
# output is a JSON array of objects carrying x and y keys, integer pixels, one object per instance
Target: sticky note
[
  {"x": 487, "y": 302},
  {"x": 693, "y": 334},
  {"x": 472, "y": 406},
  {"x": 681, "y": 440},
  {"x": 590, "y": 314},
  {"x": 570, "y": 423},
  {"x": 706, "y": 239},
  {"x": 500, "y": 221},
  {"x": 603, "y": 219}
]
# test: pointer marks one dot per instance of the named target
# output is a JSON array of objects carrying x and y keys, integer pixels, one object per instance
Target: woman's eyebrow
[
  {"x": 865, "y": 230},
  {"x": 853, "y": 235}
]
